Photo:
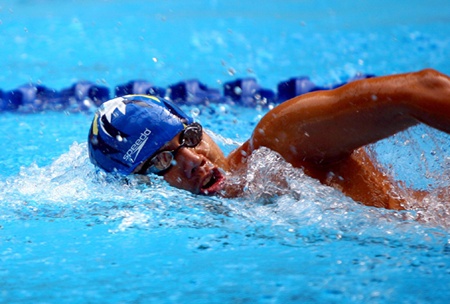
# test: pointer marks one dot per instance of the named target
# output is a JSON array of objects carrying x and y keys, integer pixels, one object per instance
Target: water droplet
[
  {"x": 195, "y": 112},
  {"x": 87, "y": 102}
]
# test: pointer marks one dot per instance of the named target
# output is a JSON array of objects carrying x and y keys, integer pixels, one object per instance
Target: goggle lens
[{"x": 189, "y": 137}]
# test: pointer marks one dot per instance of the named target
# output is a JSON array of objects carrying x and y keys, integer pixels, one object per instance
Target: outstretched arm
[{"x": 325, "y": 127}]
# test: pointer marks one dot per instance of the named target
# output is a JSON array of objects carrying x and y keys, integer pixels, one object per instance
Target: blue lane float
[
  {"x": 248, "y": 92},
  {"x": 29, "y": 98},
  {"x": 294, "y": 87},
  {"x": 83, "y": 96},
  {"x": 86, "y": 96},
  {"x": 193, "y": 92},
  {"x": 139, "y": 87}
]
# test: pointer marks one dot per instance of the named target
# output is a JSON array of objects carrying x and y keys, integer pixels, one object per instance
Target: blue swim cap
[{"x": 128, "y": 130}]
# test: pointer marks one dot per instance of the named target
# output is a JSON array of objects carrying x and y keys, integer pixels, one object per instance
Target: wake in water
[{"x": 294, "y": 207}]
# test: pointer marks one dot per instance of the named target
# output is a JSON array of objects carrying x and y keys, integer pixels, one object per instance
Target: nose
[{"x": 190, "y": 161}]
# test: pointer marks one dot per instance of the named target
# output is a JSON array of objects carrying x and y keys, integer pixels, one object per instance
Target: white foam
[{"x": 72, "y": 187}]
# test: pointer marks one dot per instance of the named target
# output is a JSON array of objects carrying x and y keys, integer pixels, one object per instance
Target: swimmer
[{"x": 322, "y": 132}]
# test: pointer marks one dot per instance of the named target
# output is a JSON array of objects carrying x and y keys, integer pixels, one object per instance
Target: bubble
[
  {"x": 223, "y": 109},
  {"x": 195, "y": 112}
]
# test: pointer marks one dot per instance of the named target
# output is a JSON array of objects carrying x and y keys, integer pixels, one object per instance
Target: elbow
[{"x": 433, "y": 79}]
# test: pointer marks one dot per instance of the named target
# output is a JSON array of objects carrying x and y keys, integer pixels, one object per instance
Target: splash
[
  {"x": 293, "y": 209},
  {"x": 418, "y": 159}
]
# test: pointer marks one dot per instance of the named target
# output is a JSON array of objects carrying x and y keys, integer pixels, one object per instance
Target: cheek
[
  {"x": 211, "y": 150},
  {"x": 216, "y": 154},
  {"x": 173, "y": 178},
  {"x": 204, "y": 148}
]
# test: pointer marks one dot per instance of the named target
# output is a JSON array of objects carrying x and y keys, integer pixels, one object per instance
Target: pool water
[{"x": 71, "y": 234}]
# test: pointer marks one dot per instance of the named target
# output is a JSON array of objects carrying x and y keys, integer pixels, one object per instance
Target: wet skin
[
  {"x": 200, "y": 169},
  {"x": 324, "y": 133}
]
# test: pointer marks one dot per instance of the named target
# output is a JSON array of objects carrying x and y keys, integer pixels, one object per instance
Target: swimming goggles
[{"x": 190, "y": 137}]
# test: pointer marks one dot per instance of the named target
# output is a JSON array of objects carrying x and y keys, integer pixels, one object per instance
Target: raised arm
[{"x": 324, "y": 127}]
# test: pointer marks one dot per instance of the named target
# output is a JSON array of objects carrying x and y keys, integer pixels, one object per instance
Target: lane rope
[{"x": 85, "y": 96}]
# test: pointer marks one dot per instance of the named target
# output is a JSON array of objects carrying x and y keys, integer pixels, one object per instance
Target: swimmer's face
[{"x": 198, "y": 169}]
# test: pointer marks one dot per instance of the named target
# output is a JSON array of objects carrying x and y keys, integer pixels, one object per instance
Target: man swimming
[{"x": 322, "y": 132}]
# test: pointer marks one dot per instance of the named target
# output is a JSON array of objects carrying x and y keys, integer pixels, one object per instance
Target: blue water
[{"x": 69, "y": 234}]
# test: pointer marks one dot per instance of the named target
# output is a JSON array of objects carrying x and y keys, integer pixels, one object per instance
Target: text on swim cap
[{"x": 136, "y": 148}]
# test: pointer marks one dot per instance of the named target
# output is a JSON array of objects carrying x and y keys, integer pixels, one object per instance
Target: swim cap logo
[
  {"x": 136, "y": 148},
  {"x": 107, "y": 108}
]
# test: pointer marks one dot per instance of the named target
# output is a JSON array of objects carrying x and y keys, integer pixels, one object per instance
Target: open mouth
[{"x": 212, "y": 183}]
